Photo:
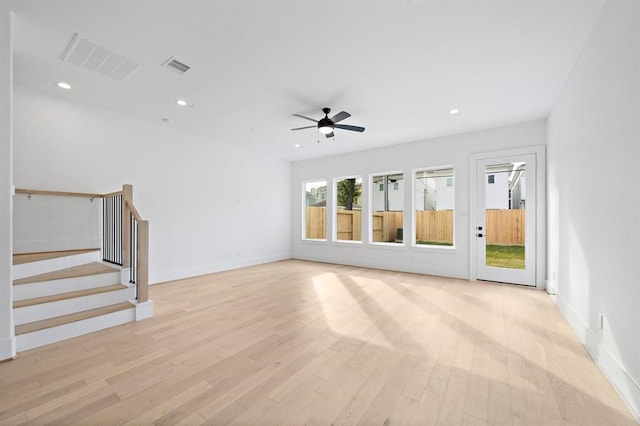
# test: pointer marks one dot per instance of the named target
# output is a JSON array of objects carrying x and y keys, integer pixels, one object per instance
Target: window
[
  {"x": 491, "y": 178},
  {"x": 348, "y": 211},
  {"x": 387, "y": 208},
  {"x": 315, "y": 213},
  {"x": 433, "y": 201}
]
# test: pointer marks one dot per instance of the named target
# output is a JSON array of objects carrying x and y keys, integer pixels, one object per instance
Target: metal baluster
[{"x": 104, "y": 229}]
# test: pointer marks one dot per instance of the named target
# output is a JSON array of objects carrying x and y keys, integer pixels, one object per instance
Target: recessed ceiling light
[
  {"x": 64, "y": 85},
  {"x": 297, "y": 145},
  {"x": 454, "y": 111},
  {"x": 181, "y": 102}
]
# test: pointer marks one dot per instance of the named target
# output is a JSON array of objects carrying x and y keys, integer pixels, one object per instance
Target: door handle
[{"x": 479, "y": 235}]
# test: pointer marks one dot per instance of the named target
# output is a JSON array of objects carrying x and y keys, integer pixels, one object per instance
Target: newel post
[
  {"x": 143, "y": 261},
  {"x": 127, "y": 195}
]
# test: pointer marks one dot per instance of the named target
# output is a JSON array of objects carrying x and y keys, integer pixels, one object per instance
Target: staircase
[
  {"x": 67, "y": 293},
  {"x": 63, "y": 294}
]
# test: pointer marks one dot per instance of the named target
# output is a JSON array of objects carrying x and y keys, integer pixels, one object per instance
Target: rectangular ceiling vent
[
  {"x": 176, "y": 66},
  {"x": 89, "y": 55}
]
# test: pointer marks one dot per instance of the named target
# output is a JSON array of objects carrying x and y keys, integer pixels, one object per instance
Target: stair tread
[
  {"x": 94, "y": 268},
  {"x": 68, "y": 295},
  {"x": 21, "y": 258},
  {"x": 66, "y": 319}
]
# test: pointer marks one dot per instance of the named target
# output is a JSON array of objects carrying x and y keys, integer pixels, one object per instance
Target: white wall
[
  {"x": 594, "y": 131},
  {"x": 7, "y": 340},
  {"x": 396, "y": 196},
  {"x": 210, "y": 206},
  {"x": 50, "y": 223},
  {"x": 497, "y": 193},
  {"x": 446, "y": 151}
]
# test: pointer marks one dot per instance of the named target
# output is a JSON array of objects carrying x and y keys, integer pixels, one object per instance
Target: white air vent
[
  {"x": 87, "y": 54},
  {"x": 176, "y": 66}
]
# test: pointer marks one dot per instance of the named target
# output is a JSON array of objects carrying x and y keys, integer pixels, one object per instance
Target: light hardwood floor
[{"x": 297, "y": 343}]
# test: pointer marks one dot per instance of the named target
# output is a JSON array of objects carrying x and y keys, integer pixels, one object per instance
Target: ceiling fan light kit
[{"x": 326, "y": 125}]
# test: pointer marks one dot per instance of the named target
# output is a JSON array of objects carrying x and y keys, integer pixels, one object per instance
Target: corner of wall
[
  {"x": 7, "y": 348},
  {"x": 612, "y": 367}
]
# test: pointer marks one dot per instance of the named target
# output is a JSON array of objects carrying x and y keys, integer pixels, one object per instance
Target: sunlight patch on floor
[{"x": 346, "y": 317}]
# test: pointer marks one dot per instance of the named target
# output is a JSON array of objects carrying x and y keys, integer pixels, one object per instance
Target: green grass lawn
[
  {"x": 435, "y": 243},
  {"x": 505, "y": 256}
]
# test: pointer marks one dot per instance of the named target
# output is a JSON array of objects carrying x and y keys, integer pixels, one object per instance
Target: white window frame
[
  {"x": 371, "y": 211},
  {"x": 334, "y": 213},
  {"x": 431, "y": 247},
  {"x": 304, "y": 211}
]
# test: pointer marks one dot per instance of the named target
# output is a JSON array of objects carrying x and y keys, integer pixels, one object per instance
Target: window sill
[
  {"x": 313, "y": 241},
  {"x": 434, "y": 248},
  {"x": 379, "y": 245},
  {"x": 346, "y": 243}
]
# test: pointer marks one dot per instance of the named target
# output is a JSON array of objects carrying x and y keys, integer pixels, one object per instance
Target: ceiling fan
[{"x": 326, "y": 125}]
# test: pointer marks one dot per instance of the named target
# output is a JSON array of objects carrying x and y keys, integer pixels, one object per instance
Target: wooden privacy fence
[
  {"x": 349, "y": 225},
  {"x": 504, "y": 227},
  {"x": 385, "y": 226},
  {"x": 434, "y": 226},
  {"x": 316, "y": 223}
]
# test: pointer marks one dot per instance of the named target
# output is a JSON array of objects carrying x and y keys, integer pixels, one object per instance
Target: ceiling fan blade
[
  {"x": 347, "y": 127},
  {"x": 306, "y": 127},
  {"x": 330, "y": 135},
  {"x": 306, "y": 118},
  {"x": 340, "y": 116}
]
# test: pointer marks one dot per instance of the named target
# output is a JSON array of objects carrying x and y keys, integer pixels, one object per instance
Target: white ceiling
[{"x": 398, "y": 66}]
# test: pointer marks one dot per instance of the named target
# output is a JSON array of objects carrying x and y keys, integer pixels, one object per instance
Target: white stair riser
[
  {"x": 49, "y": 288},
  {"x": 74, "y": 329},
  {"x": 43, "y": 266},
  {"x": 58, "y": 308}
]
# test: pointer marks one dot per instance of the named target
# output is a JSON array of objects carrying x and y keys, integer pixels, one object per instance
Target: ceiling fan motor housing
[{"x": 325, "y": 124}]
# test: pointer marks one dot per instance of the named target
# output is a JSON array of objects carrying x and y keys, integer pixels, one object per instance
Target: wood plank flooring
[{"x": 295, "y": 343}]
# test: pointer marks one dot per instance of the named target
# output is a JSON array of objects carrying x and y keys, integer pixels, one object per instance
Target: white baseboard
[
  {"x": 7, "y": 348},
  {"x": 218, "y": 267},
  {"x": 144, "y": 310},
  {"x": 412, "y": 268},
  {"x": 626, "y": 386}
]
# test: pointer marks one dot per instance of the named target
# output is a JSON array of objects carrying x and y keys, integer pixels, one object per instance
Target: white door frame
[{"x": 540, "y": 233}]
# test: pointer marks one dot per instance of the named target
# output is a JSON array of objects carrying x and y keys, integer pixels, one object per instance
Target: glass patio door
[{"x": 506, "y": 220}]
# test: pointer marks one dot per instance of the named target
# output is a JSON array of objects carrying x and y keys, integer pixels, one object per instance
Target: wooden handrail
[
  {"x": 57, "y": 193},
  {"x": 133, "y": 210},
  {"x": 112, "y": 194},
  {"x": 142, "y": 249}
]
